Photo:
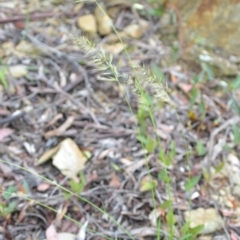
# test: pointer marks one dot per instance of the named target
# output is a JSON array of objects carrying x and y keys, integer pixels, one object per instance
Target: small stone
[
  {"x": 104, "y": 22},
  {"x": 113, "y": 38},
  {"x": 113, "y": 11},
  {"x": 87, "y": 23},
  {"x": 115, "y": 49},
  {"x": 210, "y": 218},
  {"x": 78, "y": 7},
  {"x": 18, "y": 71},
  {"x": 134, "y": 31},
  {"x": 165, "y": 20},
  {"x": 143, "y": 23}
]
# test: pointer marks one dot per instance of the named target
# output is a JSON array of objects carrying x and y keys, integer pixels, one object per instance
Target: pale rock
[
  {"x": 104, "y": 22},
  {"x": 134, "y": 31},
  {"x": 69, "y": 159},
  {"x": 6, "y": 49},
  {"x": 87, "y": 23},
  {"x": 25, "y": 48},
  {"x": 113, "y": 38},
  {"x": 18, "y": 71},
  {"x": 144, "y": 24},
  {"x": 65, "y": 236},
  {"x": 78, "y": 7},
  {"x": 213, "y": 24},
  {"x": 115, "y": 49},
  {"x": 113, "y": 11},
  {"x": 165, "y": 20},
  {"x": 210, "y": 218}
]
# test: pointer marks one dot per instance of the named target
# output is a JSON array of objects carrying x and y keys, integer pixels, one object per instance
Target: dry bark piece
[
  {"x": 47, "y": 155},
  {"x": 87, "y": 23}
]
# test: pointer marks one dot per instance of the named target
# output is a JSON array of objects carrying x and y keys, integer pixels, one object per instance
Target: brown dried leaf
[
  {"x": 4, "y": 132},
  {"x": 51, "y": 233},
  {"x": 65, "y": 236},
  {"x": 47, "y": 155},
  {"x": 43, "y": 187},
  {"x": 115, "y": 183}
]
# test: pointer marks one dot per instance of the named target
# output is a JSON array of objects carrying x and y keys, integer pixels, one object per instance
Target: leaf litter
[{"x": 71, "y": 110}]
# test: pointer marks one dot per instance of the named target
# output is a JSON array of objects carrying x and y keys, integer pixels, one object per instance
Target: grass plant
[{"x": 150, "y": 91}]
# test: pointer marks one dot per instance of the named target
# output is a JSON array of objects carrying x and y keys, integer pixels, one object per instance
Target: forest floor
[{"x": 53, "y": 107}]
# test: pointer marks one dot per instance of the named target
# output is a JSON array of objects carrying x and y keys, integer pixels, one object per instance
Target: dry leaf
[
  {"x": 51, "y": 233},
  {"x": 154, "y": 215},
  {"x": 4, "y": 132},
  {"x": 47, "y": 155},
  {"x": 125, "y": 161},
  {"x": 82, "y": 232},
  {"x": 115, "y": 183},
  {"x": 42, "y": 187},
  {"x": 65, "y": 236},
  {"x": 234, "y": 236},
  {"x": 166, "y": 128},
  {"x": 6, "y": 171},
  {"x": 19, "y": 24},
  {"x": 148, "y": 183},
  {"x": 69, "y": 159},
  {"x": 185, "y": 87},
  {"x": 30, "y": 147}
]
